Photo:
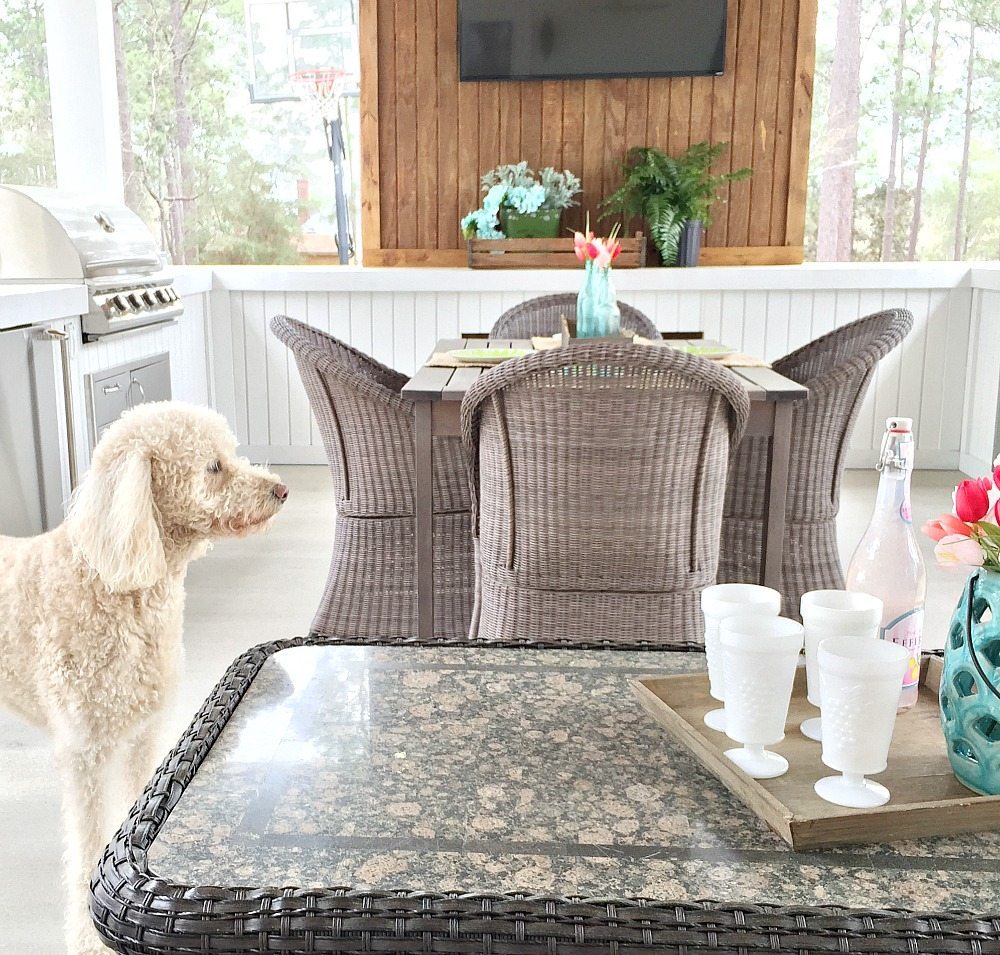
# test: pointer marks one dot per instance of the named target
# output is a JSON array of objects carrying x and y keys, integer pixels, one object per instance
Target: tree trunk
[
  {"x": 889, "y": 212},
  {"x": 130, "y": 175},
  {"x": 963, "y": 173},
  {"x": 836, "y": 189},
  {"x": 925, "y": 129},
  {"x": 183, "y": 200},
  {"x": 175, "y": 209}
]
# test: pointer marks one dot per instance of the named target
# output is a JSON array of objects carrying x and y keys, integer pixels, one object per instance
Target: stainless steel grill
[{"x": 52, "y": 236}]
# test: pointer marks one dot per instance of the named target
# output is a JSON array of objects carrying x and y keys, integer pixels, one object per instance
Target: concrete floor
[{"x": 251, "y": 591}]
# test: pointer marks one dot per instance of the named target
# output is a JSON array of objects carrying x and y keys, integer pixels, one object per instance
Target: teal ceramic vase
[
  {"x": 597, "y": 312},
  {"x": 970, "y": 685}
]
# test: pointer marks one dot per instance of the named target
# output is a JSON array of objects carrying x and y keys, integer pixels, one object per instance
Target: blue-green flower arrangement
[{"x": 517, "y": 187}]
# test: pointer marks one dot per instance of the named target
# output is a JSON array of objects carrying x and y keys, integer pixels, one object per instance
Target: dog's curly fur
[{"x": 91, "y": 612}]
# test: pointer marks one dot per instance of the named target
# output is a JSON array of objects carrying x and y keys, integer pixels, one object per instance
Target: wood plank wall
[{"x": 427, "y": 138}]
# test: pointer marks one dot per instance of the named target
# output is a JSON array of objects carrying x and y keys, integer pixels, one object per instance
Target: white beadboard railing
[{"x": 947, "y": 367}]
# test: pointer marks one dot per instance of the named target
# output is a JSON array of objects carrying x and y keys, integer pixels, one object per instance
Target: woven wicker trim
[
  {"x": 510, "y": 323},
  {"x": 136, "y": 911},
  {"x": 700, "y": 370},
  {"x": 897, "y": 323},
  {"x": 319, "y": 350}
]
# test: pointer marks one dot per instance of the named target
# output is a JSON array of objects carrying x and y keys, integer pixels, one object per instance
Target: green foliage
[
  {"x": 560, "y": 187},
  {"x": 228, "y": 198},
  {"x": 939, "y": 111},
  {"x": 667, "y": 191},
  {"x": 26, "y": 150}
]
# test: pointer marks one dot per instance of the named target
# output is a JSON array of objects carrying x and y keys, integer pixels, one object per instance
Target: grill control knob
[
  {"x": 133, "y": 300},
  {"x": 162, "y": 296},
  {"x": 118, "y": 301},
  {"x": 149, "y": 299},
  {"x": 172, "y": 294}
]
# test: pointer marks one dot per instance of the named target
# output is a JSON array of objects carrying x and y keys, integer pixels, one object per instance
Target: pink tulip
[
  {"x": 593, "y": 249},
  {"x": 952, "y": 525},
  {"x": 972, "y": 499},
  {"x": 954, "y": 550},
  {"x": 934, "y": 530},
  {"x": 603, "y": 259},
  {"x": 996, "y": 475}
]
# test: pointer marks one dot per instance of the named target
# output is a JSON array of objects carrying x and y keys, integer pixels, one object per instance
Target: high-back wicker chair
[
  {"x": 367, "y": 431},
  {"x": 597, "y": 474},
  {"x": 543, "y": 316},
  {"x": 837, "y": 369}
]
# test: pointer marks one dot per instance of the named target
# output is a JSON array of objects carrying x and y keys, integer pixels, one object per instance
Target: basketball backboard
[{"x": 287, "y": 36}]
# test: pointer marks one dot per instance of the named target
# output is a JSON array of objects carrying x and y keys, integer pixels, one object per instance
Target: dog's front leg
[
  {"x": 86, "y": 783},
  {"x": 142, "y": 755}
]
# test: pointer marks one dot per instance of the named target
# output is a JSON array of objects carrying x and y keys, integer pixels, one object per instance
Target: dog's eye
[{"x": 215, "y": 467}]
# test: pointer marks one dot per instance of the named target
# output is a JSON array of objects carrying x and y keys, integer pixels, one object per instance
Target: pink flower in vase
[
  {"x": 954, "y": 550},
  {"x": 580, "y": 242},
  {"x": 603, "y": 258},
  {"x": 945, "y": 525},
  {"x": 972, "y": 499}
]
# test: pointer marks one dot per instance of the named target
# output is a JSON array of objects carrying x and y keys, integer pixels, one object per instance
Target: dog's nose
[{"x": 280, "y": 491}]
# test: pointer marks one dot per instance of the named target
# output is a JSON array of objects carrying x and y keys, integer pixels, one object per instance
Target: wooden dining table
[{"x": 437, "y": 393}]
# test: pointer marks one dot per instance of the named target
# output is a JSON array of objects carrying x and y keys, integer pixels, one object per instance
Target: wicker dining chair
[
  {"x": 367, "y": 431},
  {"x": 837, "y": 369},
  {"x": 543, "y": 316},
  {"x": 597, "y": 475}
]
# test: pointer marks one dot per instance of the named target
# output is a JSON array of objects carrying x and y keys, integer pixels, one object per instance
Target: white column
[{"x": 81, "y": 53}]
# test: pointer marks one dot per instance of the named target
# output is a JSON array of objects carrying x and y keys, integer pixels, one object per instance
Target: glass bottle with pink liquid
[{"x": 887, "y": 562}]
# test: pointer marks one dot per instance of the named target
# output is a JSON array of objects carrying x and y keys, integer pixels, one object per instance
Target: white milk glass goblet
[
  {"x": 760, "y": 655},
  {"x": 860, "y": 681},
  {"x": 718, "y": 602},
  {"x": 832, "y": 613}
]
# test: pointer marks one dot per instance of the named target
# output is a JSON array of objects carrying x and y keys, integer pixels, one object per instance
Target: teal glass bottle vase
[
  {"x": 586, "y": 303},
  {"x": 597, "y": 312},
  {"x": 970, "y": 685}
]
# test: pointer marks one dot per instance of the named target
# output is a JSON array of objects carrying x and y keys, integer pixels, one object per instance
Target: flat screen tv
[{"x": 576, "y": 39}]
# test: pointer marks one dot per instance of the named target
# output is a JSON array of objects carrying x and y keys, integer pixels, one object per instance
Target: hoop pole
[{"x": 333, "y": 132}]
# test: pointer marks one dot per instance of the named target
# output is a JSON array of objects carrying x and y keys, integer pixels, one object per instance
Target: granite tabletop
[{"x": 493, "y": 770}]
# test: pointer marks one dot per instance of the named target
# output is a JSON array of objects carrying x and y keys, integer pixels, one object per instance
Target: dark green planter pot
[
  {"x": 543, "y": 224},
  {"x": 970, "y": 686}
]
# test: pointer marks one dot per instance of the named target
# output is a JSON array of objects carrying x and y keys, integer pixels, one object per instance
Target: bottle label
[{"x": 906, "y": 630}]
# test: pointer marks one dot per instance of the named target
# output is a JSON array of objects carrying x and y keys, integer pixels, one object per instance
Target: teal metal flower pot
[
  {"x": 543, "y": 224},
  {"x": 970, "y": 686}
]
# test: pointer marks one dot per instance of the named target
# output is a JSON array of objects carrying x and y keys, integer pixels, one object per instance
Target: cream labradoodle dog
[{"x": 91, "y": 612}]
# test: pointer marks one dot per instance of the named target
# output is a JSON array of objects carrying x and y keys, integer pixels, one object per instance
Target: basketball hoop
[{"x": 321, "y": 87}]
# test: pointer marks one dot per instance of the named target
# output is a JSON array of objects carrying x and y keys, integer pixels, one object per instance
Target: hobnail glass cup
[
  {"x": 760, "y": 656},
  {"x": 860, "y": 680},
  {"x": 717, "y": 603},
  {"x": 832, "y": 613}
]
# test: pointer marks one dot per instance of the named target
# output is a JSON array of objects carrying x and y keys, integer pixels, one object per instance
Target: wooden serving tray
[{"x": 927, "y": 799}]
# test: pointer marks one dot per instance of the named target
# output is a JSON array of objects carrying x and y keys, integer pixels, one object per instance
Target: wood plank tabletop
[{"x": 451, "y": 384}]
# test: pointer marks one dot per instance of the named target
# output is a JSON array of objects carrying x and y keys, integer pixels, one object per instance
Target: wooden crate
[
  {"x": 927, "y": 799},
  {"x": 546, "y": 253}
]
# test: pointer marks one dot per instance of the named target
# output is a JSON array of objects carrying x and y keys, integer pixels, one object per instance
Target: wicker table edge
[{"x": 136, "y": 911}]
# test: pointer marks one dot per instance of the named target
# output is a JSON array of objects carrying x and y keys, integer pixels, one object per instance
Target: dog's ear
[{"x": 114, "y": 524}]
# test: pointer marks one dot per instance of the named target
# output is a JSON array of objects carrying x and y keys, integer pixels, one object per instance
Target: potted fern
[{"x": 673, "y": 194}]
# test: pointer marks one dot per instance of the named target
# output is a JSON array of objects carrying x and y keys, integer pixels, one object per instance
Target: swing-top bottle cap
[{"x": 899, "y": 425}]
